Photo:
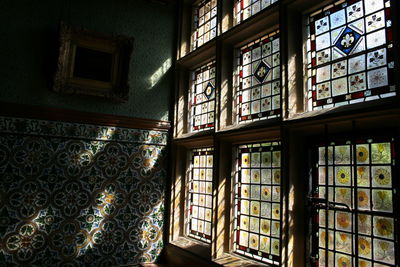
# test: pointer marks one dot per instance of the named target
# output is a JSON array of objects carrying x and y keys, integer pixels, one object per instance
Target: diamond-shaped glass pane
[
  {"x": 348, "y": 40},
  {"x": 261, "y": 71},
  {"x": 209, "y": 91}
]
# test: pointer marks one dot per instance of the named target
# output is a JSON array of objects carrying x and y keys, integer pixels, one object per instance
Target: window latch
[{"x": 322, "y": 203}]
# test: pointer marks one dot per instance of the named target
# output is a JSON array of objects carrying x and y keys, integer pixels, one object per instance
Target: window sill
[
  {"x": 250, "y": 125},
  {"x": 193, "y": 134},
  {"x": 197, "y": 248},
  {"x": 233, "y": 260},
  {"x": 356, "y": 108}
]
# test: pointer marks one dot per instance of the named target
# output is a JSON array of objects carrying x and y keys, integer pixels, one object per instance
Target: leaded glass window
[
  {"x": 202, "y": 98},
  {"x": 204, "y": 23},
  {"x": 354, "y": 223},
  {"x": 258, "y": 79},
  {"x": 246, "y": 8},
  {"x": 199, "y": 212},
  {"x": 258, "y": 202},
  {"x": 350, "y": 53}
]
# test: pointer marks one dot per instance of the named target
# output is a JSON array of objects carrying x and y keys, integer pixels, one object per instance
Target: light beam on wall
[{"x": 159, "y": 73}]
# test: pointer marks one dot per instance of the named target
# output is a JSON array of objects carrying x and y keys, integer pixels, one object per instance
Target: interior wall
[
  {"x": 76, "y": 194},
  {"x": 80, "y": 195},
  {"x": 29, "y": 50}
]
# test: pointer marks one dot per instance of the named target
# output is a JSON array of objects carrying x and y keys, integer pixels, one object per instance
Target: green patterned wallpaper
[{"x": 28, "y": 41}]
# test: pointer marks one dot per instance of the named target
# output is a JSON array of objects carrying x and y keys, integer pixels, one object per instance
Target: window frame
[
  {"x": 196, "y": 6},
  {"x": 189, "y": 179},
  {"x": 349, "y": 98},
  {"x": 266, "y": 259},
  {"x": 238, "y": 87},
  {"x": 352, "y": 138},
  {"x": 191, "y": 108},
  {"x": 294, "y": 129}
]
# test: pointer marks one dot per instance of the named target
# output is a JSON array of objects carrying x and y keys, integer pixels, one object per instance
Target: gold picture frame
[{"x": 94, "y": 64}]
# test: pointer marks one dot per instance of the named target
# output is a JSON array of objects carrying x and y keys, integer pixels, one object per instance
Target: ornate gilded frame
[{"x": 116, "y": 50}]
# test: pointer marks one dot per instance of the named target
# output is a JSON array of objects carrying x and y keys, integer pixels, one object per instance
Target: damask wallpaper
[{"x": 80, "y": 195}]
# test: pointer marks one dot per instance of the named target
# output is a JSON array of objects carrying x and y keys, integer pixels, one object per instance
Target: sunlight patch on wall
[{"x": 160, "y": 72}]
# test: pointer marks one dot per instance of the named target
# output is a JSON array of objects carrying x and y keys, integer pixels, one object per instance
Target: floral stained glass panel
[
  {"x": 359, "y": 225},
  {"x": 258, "y": 79},
  {"x": 204, "y": 23},
  {"x": 200, "y": 195},
  {"x": 258, "y": 202},
  {"x": 350, "y": 53},
  {"x": 244, "y": 9},
  {"x": 202, "y": 98}
]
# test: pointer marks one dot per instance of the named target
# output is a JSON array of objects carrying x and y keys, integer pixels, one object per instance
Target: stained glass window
[
  {"x": 204, "y": 23},
  {"x": 246, "y": 8},
  {"x": 258, "y": 79},
  {"x": 357, "y": 227},
  {"x": 202, "y": 98},
  {"x": 200, "y": 195},
  {"x": 258, "y": 202},
  {"x": 350, "y": 53}
]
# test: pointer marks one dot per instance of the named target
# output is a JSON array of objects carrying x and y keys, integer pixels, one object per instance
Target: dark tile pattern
[{"x": 80, "y": 195}]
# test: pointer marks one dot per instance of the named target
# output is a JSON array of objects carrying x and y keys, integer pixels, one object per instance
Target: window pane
[
  {"x": 358, "y": 224},
  {"x": 246, "y": 8},
  {"x": 200, "y": 185},
  {"x": 350, "y": 53},
  {"x": 204, "y": 23},
  {"x": 258, "y": 202},
  {"x": 202, "y": 98},
  {"x": 258, "y": 79}
]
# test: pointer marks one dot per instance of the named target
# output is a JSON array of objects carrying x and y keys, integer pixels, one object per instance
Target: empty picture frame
[{"x": 91, "y": 63}]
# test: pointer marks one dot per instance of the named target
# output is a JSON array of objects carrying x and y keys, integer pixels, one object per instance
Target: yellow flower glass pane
[
  {"x": 381, "y": 153},
  {"x": 363, "y": 179},
  {"x": 384, "y": 251},
  {"x": 363, "y": 199},
  {"x": 323, "y": 236},
  {"x": 362, "y": 154},
  {"x": 364, "y": 224},
  {"x": 370, "y": 163},
  {"x": 322, "y": 260},
  {"x": 343, "y": 195},
  {"x": 343, "y": 176},
  {"x": 266, "y": 176},
  {"x": 265, "y": 245},
  {"x": 342, "y": 154},
  {"x": 383, "y": 227},
  {"x": 382, "y": 200},
  {"x": 382, "y": 176},
  {"x": 258, "y": 202},
  {"x": 255, "y": 176},
  {"x": 199, "y": 200},
  {"x": 343, "y": 242},
  {"x": 265, "y": 159},
  {"x": 343, "y": 260}
]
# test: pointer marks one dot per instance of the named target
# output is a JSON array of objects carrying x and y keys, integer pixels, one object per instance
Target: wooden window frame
[{"x": 294, "y": 129}]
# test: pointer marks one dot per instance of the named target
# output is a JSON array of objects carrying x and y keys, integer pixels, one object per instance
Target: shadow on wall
[{"x": 80, "y": 195}]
